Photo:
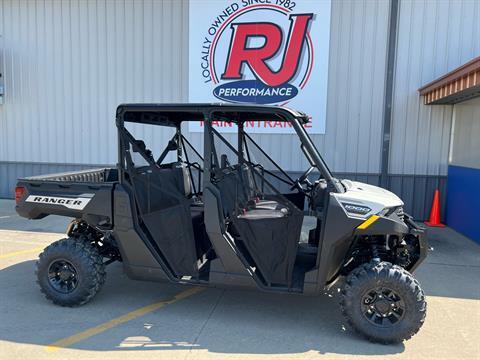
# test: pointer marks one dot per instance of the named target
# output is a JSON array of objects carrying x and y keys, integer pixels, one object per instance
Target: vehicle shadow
[
  {"x": 216, "y": 320},
  {"x": 10, "y": 220},
  {"x": 49, "y": 224}
]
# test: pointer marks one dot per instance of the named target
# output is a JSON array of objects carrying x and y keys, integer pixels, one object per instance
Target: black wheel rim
[
  {"x": 62, "y": 276},
  {"x": 383, "y": 307}
]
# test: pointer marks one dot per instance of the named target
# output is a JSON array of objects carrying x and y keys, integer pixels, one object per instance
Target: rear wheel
[
  {"x": 70, "y": 272},
  {"x": 383, "y": 302}
]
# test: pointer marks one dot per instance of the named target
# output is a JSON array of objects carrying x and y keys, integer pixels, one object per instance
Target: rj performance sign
[{"x": 261, "y": 51}]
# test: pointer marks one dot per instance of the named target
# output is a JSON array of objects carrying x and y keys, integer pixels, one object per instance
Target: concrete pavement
[{"x": 215, "y": 323}]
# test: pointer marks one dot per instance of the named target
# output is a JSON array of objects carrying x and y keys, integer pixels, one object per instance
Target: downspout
[{"x": 389, "y": 79}]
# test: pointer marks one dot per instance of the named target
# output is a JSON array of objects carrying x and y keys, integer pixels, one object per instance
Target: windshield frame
[{"x": 315, "y": 154}]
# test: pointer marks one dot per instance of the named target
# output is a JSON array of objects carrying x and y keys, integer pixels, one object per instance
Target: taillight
[{"x": 19, "y": 191}]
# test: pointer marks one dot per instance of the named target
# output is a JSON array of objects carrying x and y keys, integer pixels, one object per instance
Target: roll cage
[
  {"x": 231, "y": 218},
  {"x": 173, "y": 115}
]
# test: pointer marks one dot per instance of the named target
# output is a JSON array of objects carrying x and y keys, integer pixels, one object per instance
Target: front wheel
[
  {"x": 70, "y": 272},
  {"x": 383, "y": 302}
]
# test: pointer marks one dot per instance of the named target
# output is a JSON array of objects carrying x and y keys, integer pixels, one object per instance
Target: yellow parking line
[
  {"x": 15, "y": 253},
  {"x": 26, "y": 242},
  {"x": 26, "y": 232},
  {"x": 119, "y": 320}
]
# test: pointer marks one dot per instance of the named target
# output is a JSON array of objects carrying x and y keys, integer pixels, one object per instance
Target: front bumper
[
  {"x": 403, "y": 227},
  {"x": 418, "y": 232}
]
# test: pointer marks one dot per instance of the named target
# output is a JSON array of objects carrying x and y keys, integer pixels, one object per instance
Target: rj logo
[{"x": 256, "y": 57}]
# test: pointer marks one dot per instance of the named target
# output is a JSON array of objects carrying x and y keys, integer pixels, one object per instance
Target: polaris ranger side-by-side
[{"x": 227, "y": 214}]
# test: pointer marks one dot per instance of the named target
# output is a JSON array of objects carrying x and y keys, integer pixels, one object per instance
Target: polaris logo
[
  {"x": 77, "y": 203},
  {"x": 356, "y": 209}
]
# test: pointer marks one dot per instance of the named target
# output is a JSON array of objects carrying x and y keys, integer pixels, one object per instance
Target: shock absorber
[{"x": 375, "y": 253}]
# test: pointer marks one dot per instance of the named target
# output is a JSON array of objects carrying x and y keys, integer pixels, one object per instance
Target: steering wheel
[{"x": 303, "y": 179}]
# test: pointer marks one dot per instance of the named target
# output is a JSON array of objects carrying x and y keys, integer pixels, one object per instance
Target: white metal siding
[
  {"x": 358, "y": 40},
  {"x": 356, "y": 86},
  {"x": 434, "y": 37},
  {"x": 68, "y": 64}
]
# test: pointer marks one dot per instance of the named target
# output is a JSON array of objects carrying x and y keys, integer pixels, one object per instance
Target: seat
[
  {"x": 240, "y": 193},
  {"x": 256, "y": 214},
  {"x": 251, "y": 189},
  {"x": 268, "y": 205}
]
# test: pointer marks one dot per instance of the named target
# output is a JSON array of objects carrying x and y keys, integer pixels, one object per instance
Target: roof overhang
[{"x": 456, "y": 86}]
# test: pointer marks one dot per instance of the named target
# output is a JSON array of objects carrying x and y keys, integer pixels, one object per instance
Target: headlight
[
  {"x": 389, "y": 211},
  {"x": 383, "y": 212}
]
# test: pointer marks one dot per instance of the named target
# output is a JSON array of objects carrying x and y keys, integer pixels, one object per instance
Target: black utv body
[{"x": 226, "y": 214}]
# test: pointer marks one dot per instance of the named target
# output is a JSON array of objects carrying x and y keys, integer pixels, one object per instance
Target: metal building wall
[
  {"x": 358, "y": 40},
  {"x": 434, "y": 37},
  {"x": 68, "y": 64}
]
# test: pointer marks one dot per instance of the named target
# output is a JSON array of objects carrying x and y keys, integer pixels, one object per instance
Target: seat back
[
  {"x": 248, "y": 181},
  {"x": 187, "y": 181}
]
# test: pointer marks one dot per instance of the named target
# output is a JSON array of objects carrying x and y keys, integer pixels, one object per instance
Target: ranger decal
[{"x": 77, "y": 203}]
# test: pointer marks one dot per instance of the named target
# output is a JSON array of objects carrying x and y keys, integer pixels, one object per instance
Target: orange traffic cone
[{"x": 435, "y": 212}]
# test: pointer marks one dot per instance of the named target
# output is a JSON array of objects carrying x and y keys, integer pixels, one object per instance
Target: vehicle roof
[{"x": 172, "y": 114}]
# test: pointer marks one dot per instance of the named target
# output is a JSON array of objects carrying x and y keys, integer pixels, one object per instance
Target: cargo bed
[
  {"x": 83, "y": 194},
  {"x": 101, "y": 175}
]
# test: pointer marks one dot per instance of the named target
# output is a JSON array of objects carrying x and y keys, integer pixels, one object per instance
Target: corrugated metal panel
[
  {"x": 10, "y": 172},
  {"x": 69, "y": 63},
  {"x": 434, "y": 37},
  {"x": 352, "y": 141},
  {"x": 417, "y": 192},
  {"x": 356, "y": 85}
]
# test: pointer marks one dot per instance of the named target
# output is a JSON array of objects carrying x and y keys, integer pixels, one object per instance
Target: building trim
[{"x": 458, "y": 85}]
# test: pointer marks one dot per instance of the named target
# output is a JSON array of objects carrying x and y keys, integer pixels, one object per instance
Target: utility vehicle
[{"x": 224, "y": 213}]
